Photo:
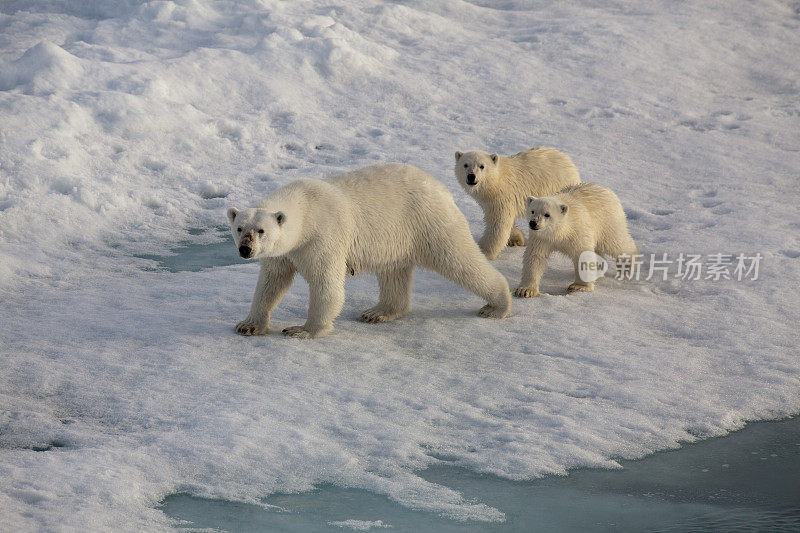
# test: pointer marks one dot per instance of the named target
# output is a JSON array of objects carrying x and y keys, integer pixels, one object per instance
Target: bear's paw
[
  {"x": 580, "y": 287},
  {"x": 251, "y": 327},
  {"x": 378, "y": 315},
  {"x": 491, "y": 311},
  {"x": 298, "y": 332},
  {"x": 303, "y": 332},
  {"x": 516, "y": 239},
  {"x": 526, "y": 292}
]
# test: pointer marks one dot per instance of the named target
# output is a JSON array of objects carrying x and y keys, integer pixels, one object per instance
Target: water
[
  {"x": 195, "y": 257},
  {"x": 749, "y": 480}
]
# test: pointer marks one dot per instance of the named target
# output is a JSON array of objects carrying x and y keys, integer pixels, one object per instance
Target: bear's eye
[
  {"x": 481, "y": 167},
  {"x": 465, "y": 165},
  {"x": 261, "y": 231},
  {"x": 239, "y": 230},
  {"x": 547, "y": 215}
]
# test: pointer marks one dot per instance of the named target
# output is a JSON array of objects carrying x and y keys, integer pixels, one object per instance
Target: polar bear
[
  {"x": 500, "y": 185},
  {"x": 584, "y": 217},
  {"x": 384, "y": 219}
]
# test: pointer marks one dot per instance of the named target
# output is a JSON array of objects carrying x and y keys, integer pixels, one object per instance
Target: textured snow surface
[
  {"x": 127, "y": 128},
  {"x": 360, "y": 525}
]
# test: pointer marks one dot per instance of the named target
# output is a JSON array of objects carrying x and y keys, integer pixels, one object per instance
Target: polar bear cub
[
  {"x": 500, "y": 185},
  {"x": 585, "y": 217},
  {"x": 384, "y": 219}
]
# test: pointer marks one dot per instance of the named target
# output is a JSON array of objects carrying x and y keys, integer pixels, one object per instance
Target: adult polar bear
[{"x": 384, "y": 219}]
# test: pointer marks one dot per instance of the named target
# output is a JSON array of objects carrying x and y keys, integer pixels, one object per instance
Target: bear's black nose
[
  {"x": 245, "y": 251},
  {"x": 470, "y": 179},
  {"x": 533, "y": 225}
]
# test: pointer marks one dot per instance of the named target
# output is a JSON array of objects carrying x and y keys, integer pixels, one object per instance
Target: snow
[
  {"x": 127, "y": 128},
  {"x": 360, "y": 525}
]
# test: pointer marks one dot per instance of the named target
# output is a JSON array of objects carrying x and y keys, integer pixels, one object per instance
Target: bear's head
[
  {"x": 476, "y": 170},
  {"x": 545, "y": 215},
  {"x": 260, "y": 233}
]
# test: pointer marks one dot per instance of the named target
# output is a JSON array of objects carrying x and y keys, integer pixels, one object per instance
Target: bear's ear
[
  {"x": 563, "y": 209},
  {"x": 232, "y": 212},
  {"x": 529, "y": 199},
  {"x": 280, "y": 217},
  {"x": 458, "y": 155},
  {"x": 494, "y": 158}
]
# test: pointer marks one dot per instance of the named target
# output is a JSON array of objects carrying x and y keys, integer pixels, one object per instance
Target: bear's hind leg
[
  {"x": 589, "y": 243},
  {"x": 624, "y": 251},
  {"x": 617, "y": 246},
  {"x": 579, "y": 285},
  {"x": 395, "y": 295},
  {"x": 462, "y": 262}
]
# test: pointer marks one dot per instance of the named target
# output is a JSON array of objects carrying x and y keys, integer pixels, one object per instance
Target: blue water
[
  {"x": 747, "y": 481},
  {"x": 193, "y": 257}
]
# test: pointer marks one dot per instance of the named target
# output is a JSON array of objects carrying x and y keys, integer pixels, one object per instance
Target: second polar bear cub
[
  {"x": 384, "y": 219},
  {"x": 585, "y": 217},
  {"x": 500, "y": 185}
]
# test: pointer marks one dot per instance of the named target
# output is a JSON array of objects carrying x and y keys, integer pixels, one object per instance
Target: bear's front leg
[
  {"x": 274, "y": 280},
  {"x": 326, "y": 297},
  {"x": 534, "y": 263},
  {"x": 395, "y": 295},
  {"x": 496, "y": 235},
  {"x": 516, "y": 238}
]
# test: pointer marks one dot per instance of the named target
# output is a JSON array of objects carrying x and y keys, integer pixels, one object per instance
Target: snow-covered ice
[
  {"x": 127, "y": 127},
  {"x": 360, "y": 525}
]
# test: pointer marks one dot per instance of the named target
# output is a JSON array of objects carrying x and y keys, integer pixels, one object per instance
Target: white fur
[
  {"x": 579, "y": 218},
  {"x": 385, "y": 219},
  {"x": 503, "y": 183}
]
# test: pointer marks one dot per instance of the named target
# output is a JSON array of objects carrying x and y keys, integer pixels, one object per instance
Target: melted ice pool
[
  {"x": 192, "y": 257},
  {"x": 745, "y": 481}
]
